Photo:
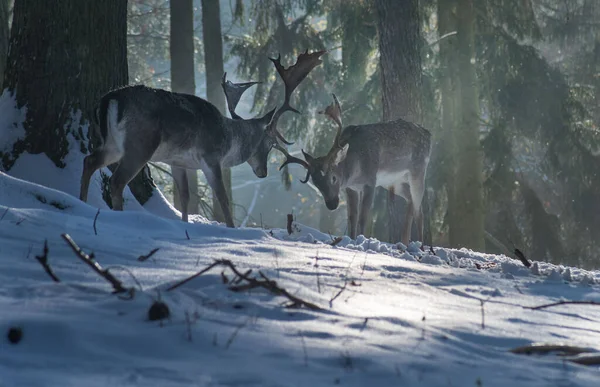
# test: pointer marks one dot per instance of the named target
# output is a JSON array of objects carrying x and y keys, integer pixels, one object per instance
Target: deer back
[{"x": 380, "y": 152}]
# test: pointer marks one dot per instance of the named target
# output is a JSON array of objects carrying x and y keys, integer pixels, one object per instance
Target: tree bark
[
  {"x": 400, "y": 59},
  {"x": 58, "y": 68},
  {"x": 400, "y": 42},
  {"x": 3, "y": 36},
  {"x": 449, "y": 96},
  {"x": 467, "y": 227},
  {"x": 213, "y": 60},
  {"x": 181, "y": 46}
]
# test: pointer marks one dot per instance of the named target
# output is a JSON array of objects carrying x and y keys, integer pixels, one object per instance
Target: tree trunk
[
  {"x": 400, "y": 42},
  {"x": 3, "y": 36},
  {"x": 466, "y": 229},
  {"x": 57, "y": 68},
  {"x": 400, "y": 59},
  {"x": 449, "y": 97},
  {"x": 181, "y": 45},
  {"x": 213, "y": 60}
]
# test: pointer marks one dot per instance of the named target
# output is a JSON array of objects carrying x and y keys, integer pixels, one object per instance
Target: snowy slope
[{"x": 404, "y": 319}]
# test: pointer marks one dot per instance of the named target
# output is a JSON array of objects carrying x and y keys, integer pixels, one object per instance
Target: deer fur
[{"x": 393, "y": 155}]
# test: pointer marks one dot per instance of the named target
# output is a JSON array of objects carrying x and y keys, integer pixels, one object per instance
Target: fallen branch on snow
[
  {"x": 252, "y": 283},
  {"x": 544, "y": 306},
  {"x": 89, "y": 260}
]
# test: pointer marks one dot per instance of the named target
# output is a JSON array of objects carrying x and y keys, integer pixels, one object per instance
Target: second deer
[{"x": 393, "y": 155}]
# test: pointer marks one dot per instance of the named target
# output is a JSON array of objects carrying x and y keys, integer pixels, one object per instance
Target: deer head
[
  {"x": 271, "y": 137},
  {"x": 324, "y": 170}
]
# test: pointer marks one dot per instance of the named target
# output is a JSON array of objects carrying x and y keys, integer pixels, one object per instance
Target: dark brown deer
[
  {"x": 138, "y": 124},
  {"x": 393, "y": 155}
]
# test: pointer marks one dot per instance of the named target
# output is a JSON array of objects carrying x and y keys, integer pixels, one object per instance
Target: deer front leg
[
  {"x": 214, "y": 176},
  {"x": 365, "y": 208},
  {"x": 352, "y": 197},
  {"x": 180, "y": 177}
]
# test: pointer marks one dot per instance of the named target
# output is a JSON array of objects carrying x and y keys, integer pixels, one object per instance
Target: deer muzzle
[{"x": 332, "y": 204}]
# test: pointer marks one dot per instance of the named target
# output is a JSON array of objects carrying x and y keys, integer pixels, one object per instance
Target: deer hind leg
[
  {"x": 181, "y": 180},
  {"x": 405, "y": 192},
  {"x": 214, "y": 176},
  {"x": 131, "y": 164},
  {"x": 417, "y": 190},
  {"x": 353, "y": 199},
  {"x": 365, "y": 208},
  {"x": 97, "y": 159}
]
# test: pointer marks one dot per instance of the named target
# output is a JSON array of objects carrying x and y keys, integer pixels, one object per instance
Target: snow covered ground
[{"x": 397, "y": 318}]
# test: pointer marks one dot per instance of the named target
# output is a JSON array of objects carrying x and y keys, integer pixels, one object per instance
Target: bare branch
[
  {"x": 143, "y": 258},
  {"x": 95, "y": 219},
  {"x": 89, "y": 260},
  {"x": 43, "y": 260},
  {"x": 539, "y": 307},
  {"x": 265, "y": 283}
]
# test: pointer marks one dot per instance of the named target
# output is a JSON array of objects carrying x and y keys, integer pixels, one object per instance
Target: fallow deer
[
  {"x": 393, "y": 155},
  {"x": 138, "y": 124}
]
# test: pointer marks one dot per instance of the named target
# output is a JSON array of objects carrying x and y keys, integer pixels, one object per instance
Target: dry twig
[
  {"x": 252, "y": 283},
  {"x": 43, "y": 260},
  {"x": 142, "y": 258},
  {"x": 95, "y": 219},
  {"x": 89, "y": 260},
  {"x": 522, "y": 257},
  {"x": 562, "y": 303},
  {"x": 290, "y": 220}
]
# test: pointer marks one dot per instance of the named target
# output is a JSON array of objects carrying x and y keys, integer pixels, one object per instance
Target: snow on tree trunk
[
  {"x": 63, "y": 57},
  {"x": 181, "y": 46},
  {"x": 213, "y": 61}
]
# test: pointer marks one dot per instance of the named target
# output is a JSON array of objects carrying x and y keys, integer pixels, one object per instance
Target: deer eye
[{"x": 333, "y": 179}]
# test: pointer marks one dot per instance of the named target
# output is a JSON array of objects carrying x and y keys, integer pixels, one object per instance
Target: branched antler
[
  {"x": 292, "y": 77},
  {"x": 233, "y": 94}
]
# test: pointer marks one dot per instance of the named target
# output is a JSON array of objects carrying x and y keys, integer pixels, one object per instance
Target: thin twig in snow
[
  {"x": 4, "y": 213},
  {"x": 89, "y": 260},
  {"x": 253, "y": 283},
  {"x": 338, "y": 293},
  {"x": 304, "y": 349},
  {"x": 562, "y": 303},
  {"x": 236, "y": 331},
  {"x": 143, "y": 258},
  {"x": 95, "y": 219},
  {"x": 43, "y": 260}
]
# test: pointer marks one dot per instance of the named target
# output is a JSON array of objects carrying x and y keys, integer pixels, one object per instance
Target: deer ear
[
  {"x": 341, "y": 155},
  {"x": 266, "y": 119}
]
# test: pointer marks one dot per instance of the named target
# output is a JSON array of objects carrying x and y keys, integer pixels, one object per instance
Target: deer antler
[
  {"x": 292, "y": 77},
  {"x": 233, "y": 93},
  {"x": 289, "y": 159},
  {"x": 334, "y": 111}
]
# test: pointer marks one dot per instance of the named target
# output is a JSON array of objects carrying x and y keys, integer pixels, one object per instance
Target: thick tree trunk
[
  {"x": 181, "y": 44},
  {"x": 466, "y": 229},
  {"x": 3, "y": 36},
  {"x": 56, "y": 65},
  {"x": 62, "y": 58},
  {"x": 400, "y": 64},
  {"x": 449, "y": 96},
  {"x": 213, "y": 60},
  {"x": 400, "y": 59}
]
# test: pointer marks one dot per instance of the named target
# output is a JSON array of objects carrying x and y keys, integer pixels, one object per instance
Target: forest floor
[{"x": 387, "y": 316}]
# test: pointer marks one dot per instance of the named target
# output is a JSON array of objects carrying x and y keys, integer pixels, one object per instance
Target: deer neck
[{"x": 245, "y": 136}]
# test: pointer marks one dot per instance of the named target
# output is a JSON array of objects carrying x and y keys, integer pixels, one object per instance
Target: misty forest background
[{"x": 507, "y": 87}]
